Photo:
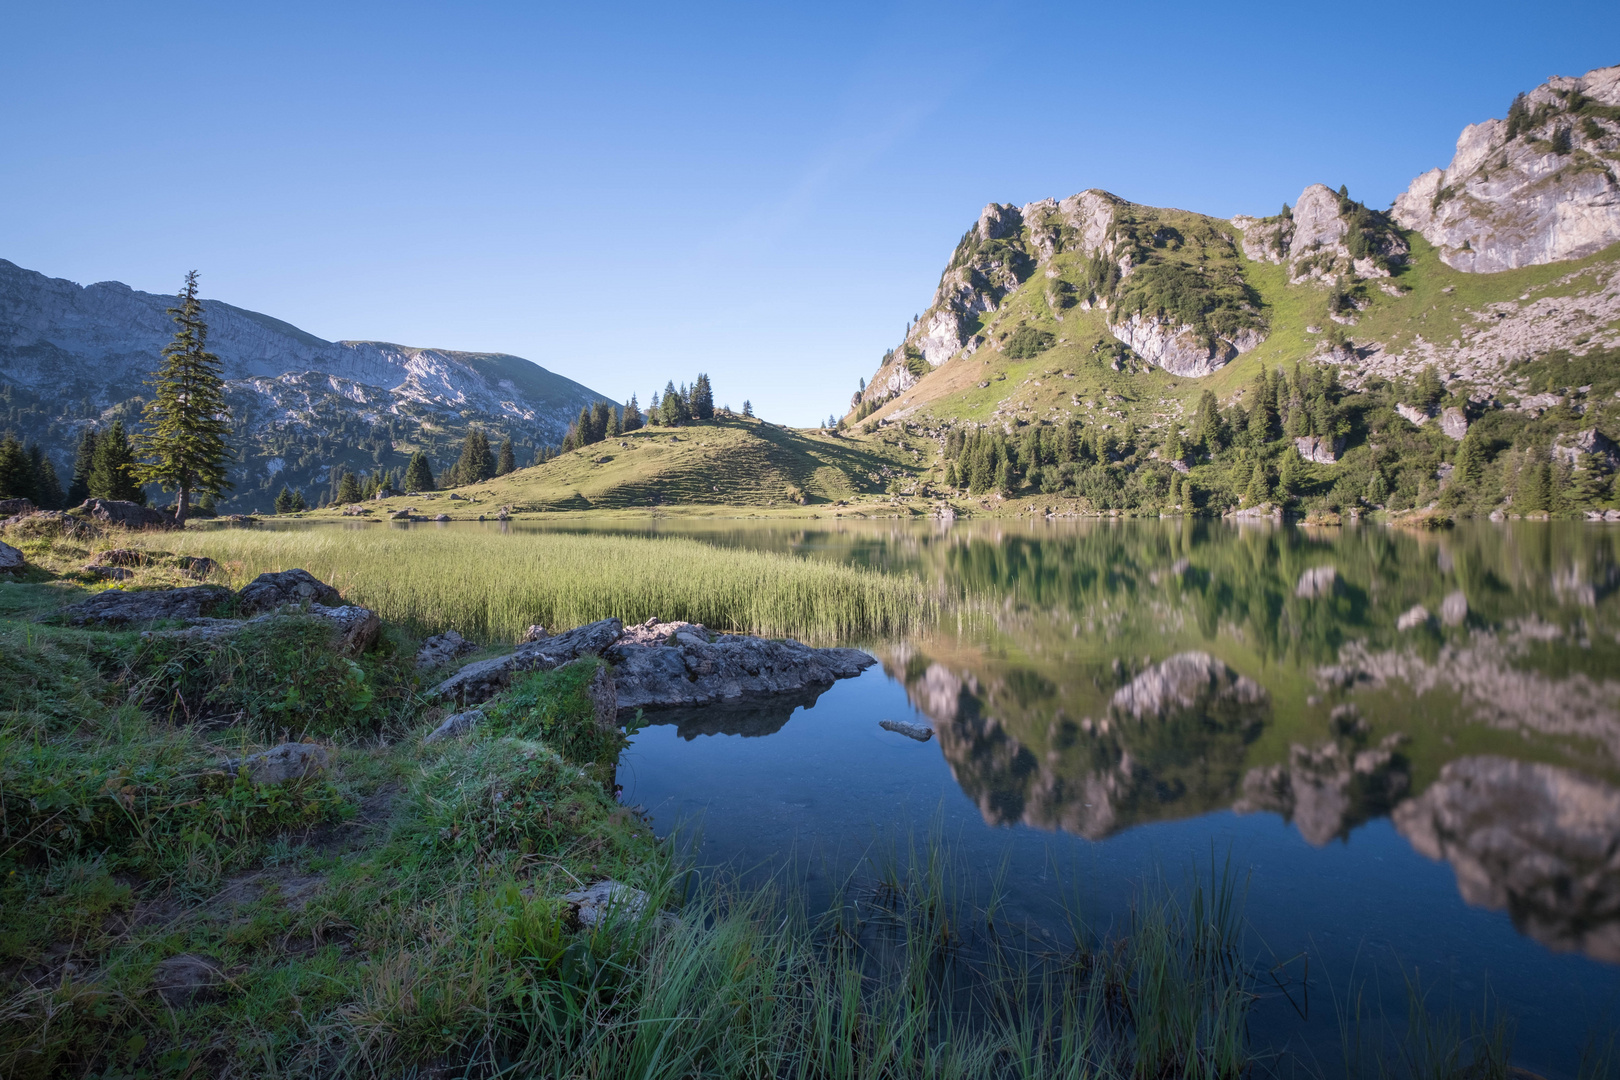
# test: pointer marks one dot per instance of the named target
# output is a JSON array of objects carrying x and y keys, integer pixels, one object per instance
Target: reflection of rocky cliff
[
  {"x": 1169, "y": 743},
  {"x": 1328, "y": 790},
  {"x": 1541, "y": 841}
]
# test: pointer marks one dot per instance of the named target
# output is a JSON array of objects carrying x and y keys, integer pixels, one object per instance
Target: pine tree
[
  {"x": 632, "y": 416},
  {"x": 1518, "y": 117},
  {"x": 298, "y": 503},
  {"x": 508, "y": 459},
  {"x": 1175, "y": 489},
  {"x": 477, "y": 462},
  {"x": 284, "y": 500},
  {"x": 16, "y": 475},
  {"x": 112, "y": 476},
  {"x": 348, "y": 489},
  {"x": 1535, "y": 486},
  {"x": 418, "y": 474},
  {"x": 1471, "y": 458},
  {"x": 79, "y": 489},
  {"x": 1006, "y": 480},
  {"x": 655, "y": 410},
  {"x": 182, "y": 445},
  {"x": 599, "y": 421},
  {"x": 702, "y": 399},
  {"x": 47, "y": 488},
  {"x": 674, "y": 406},
  {"x": 748, "y": 408},
  {"x": 951, "y": 479},
  {"x": 1259, "y": 490}
]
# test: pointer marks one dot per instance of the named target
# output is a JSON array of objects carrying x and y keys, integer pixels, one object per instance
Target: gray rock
[
  {"x": 1413, "y": 415},
  {"x": 115, "y": 607},
  {"x": 126, "y": 515},
  {"x": 595, "y": 904},
  {"x": 180, "y": 980},
  {"x": 1185, "y": 681},
  {"x": 689, "y": 672},
  {"x": 357, "y": 627},
  {"x": 535, "y": 633},
  {"x": 920, "y": 732},
  {"x": 1454, "y": 422},
  {"x": 441, "y": 649},
  {"x": 1317, "y": 582},
  {"x": 109, "y": 573},
  {"x": 1414, "y": 617},
  {"x": 1454, "y": 609},
  {"x": 1536, "y": 840},
  {"x": 121, "y": 557},
  {"x": 17, "y": 507},
  {"x": 283, "y": 763},
  {"x": 10, "y": 558},
  {"x": 1327, "y": 790},
  {"x": 482, "y": 680},
  {"x": 454, "y": 727},
  {"x": 200, "y": 567},
  {"x": 1319, "y": 448},
  {"x": 270, "y": 591},
  {"x": 1571, "y": 449}
]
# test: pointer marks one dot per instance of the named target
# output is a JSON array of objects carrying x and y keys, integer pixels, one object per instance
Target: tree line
[{"x": 674, "y": 406}]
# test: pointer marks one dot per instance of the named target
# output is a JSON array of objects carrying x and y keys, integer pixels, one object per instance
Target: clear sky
[{"x": 629, "y": 193}]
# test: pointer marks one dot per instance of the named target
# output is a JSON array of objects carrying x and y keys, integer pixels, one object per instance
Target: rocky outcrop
[
  {"x": 1321, "y": 449},
  {"x": 1329, "y": 789},
  {"x": 1179, "y": 349},
  {"x": 10, "y": 508},
  {"x": 354, "y": 629},
  {"x": 1539, "y": 841},
  {"x": 1185, "y": 682},
  {"x": 1317, "y": 582},
  {"x": 1315, "y": 239},
  {"x": 689, "y": 672},
  {"x": 125, "y": 515},
  {"x": 11, "y": 560},
  {"x": 483, "y": 680},
  {"x": 442, "y": 648},
  {"x": 1534, "y": 188},
  {"x": 282, "y": 764},
  {"x": 270, "y": 591},
  {"x": 1454, "y": 422},
  {"x": 595, "y": 904},
  {"x": 454, "y": 726},
  {"x": 115, "y": 607},
  {"x": 1572, "y": 449}
]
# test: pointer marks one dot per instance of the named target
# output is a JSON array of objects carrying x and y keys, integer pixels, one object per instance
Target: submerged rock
[
  {"x": 1540, "y": 841},
  {"x": 911, "y": 731},
  {"x": 281, "y": 764}
]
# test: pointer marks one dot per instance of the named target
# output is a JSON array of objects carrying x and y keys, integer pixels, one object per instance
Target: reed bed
[{"x": 493, "y": 586}]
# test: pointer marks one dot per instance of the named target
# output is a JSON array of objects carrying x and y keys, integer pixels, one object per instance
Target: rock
[
  {"x": 482, "y": 680},
  {"x": 1182, "y": 682},
  {"x": 1571, "y": 449},
  {"x": 689, "y": 671},
  {"x": 1179, "y": 349},
  {"x": 1319, "y": 448},
  {"x": 1415, "y": 616},
  {"x": 1454, "y": 609},
  {"x": 200, "y": 567},
  {"x": 1454, "y": 422},
  {"x": 121, "y": 557},
  {"x": 604, "y": 698},
  {"x": 270, "y": 591},
  {"x": 1326, "y": 791},
  {"x": 1536, "y": 840},
  {"x": 595, "y": 904},
  {"x": 919, "y": 732},
  {"x": 1317, "y": 582},
  {"x": 283, "y": 763},
  {"x": 454, "y": 726},
  {"x": 1414, "y": 416},
  {"x": 457, "y": 498},
  {"x": 11, "y": 559},
  {"x": 441, "y": 517},
  {"x": 126, "y": 515},
  {"x": 535, "y": 633},
  {"x": 1346, "y": 720},
  {"x": 17, "y": 507},
  {"x": 115, "y": 607},
  {"x": 180, "y": 980},
  {"x": 357, "y": 627},
  {"x": 1507, "y": 202},
  {"x": 441, "y": 649},
  {"x": 109, "y": 573}
]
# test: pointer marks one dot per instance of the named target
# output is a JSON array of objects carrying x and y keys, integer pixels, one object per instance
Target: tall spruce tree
[
  {"x": 16, "y": 475},
  {"x": 419, "y": 474},
  {"x": 702, "y": 399},
  {"x": 477, "y": 462},
  {"x": 673, "y": 406},
  {"x": 284, "y": 500},
  {"x": 182, "y": 445},
  {"x": 507, "y": 462},
  {"x": 47, "y": 488},
  {"x": 83, "y": 462},
  {"x": 112, "y": 475},
  {"x": 348, "y": 489},
  {"x": 632, "y": 415}
]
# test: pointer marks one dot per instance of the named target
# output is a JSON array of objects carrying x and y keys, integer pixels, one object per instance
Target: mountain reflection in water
[{"x": 1103, "y": 676}]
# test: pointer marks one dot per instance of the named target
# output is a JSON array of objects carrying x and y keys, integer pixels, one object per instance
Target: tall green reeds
[{"x": 493, "y": 585}]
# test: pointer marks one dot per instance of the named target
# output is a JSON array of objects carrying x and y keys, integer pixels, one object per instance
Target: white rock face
[
  {"x": 1453, "y": 422},
  {"x": 1504, "y": 203},
  {"x": 1313, "y": 241},
  {"x": 1177, "y": 349},
  {"x": 1319, "y": 449}
]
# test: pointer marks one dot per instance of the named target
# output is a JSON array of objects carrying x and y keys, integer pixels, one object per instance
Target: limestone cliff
[{"x": 1534, "y": 188}]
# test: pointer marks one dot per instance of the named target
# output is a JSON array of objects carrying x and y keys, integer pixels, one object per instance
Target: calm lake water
[{"x": 1409, "y": 744}]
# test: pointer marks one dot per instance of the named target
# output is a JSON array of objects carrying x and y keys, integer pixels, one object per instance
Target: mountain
[
  {"x": 73, "y": 356},
  {"x": 1095, "y": 306}
]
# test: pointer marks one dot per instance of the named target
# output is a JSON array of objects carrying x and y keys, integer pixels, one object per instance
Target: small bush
[
  {"x": 555, "y": 707},
  {"x": 1028, "y": 342}
]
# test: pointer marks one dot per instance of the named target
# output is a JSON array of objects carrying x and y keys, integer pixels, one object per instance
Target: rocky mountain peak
[{"x": 1536, "y": 187}]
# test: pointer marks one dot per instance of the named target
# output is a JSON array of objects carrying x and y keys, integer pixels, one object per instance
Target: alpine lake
[{"x": 1405, "y": 747}]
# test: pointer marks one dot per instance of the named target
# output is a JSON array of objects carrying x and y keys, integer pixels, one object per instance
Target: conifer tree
[
  {"x": 477, "y": 462},
  {"x": 1471, "y": 458},
  {"x": 1175, "y": 489},
  {"x": 298, "y": 503},
  {"x": 284, "y": 500},
  {"x": 508, "y": 459},
  {"x": 582, "y": 426},
  {"x": 47, "y": 488},
  {"x": 612, "y": 422},
  {"x": 1518, "y": 117},
  {"x": 1535, "y": 486},
  {"x": 112, "y": 475},
  {"x": 951, "y": 479},
  {"x": 182, "y": 445},
  {"x": 632, "y": 415},
  {"x": 79, "y": 488},
  {"x": 348, "y": 489},
  {"x": 702, "y": 399},
  {"x": 1259, "y": 490},
  {"x": 16, "y": 476},
  {"x": 748, "y": 408},
  {"x": 419, "y": 474},
  {"x": 674, "y": 406},
  {"x": 1006, "y": 479},
  {"x": 599, "y": 420},
  {"x": 655, "y": 410}
]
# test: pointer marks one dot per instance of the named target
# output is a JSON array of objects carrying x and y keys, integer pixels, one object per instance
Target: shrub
[
  {"x": 556, "y": 707},
  {"x": 1028, "y": 342}
]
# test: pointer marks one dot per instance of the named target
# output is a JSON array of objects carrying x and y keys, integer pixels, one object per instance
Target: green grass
[{"x": 493, "y": 586}]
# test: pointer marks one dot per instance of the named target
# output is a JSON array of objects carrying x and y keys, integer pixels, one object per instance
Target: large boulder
[
  {"x": 126, "y": 515},
  {"x": 441, "y": 649},
  {"x": 10, "y": 558},
  {"x": 486, "y": 678},
  {"x": 16, "y": 507},
  {"x": 270, "y": 591},
  {"x": 691, "y": 671},
  {"x": 115, "y": 607},
  {"x": 355, "y": 628}
]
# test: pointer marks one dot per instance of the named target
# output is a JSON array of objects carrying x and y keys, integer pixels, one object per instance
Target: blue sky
[{"x": 632, "y": 193}]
